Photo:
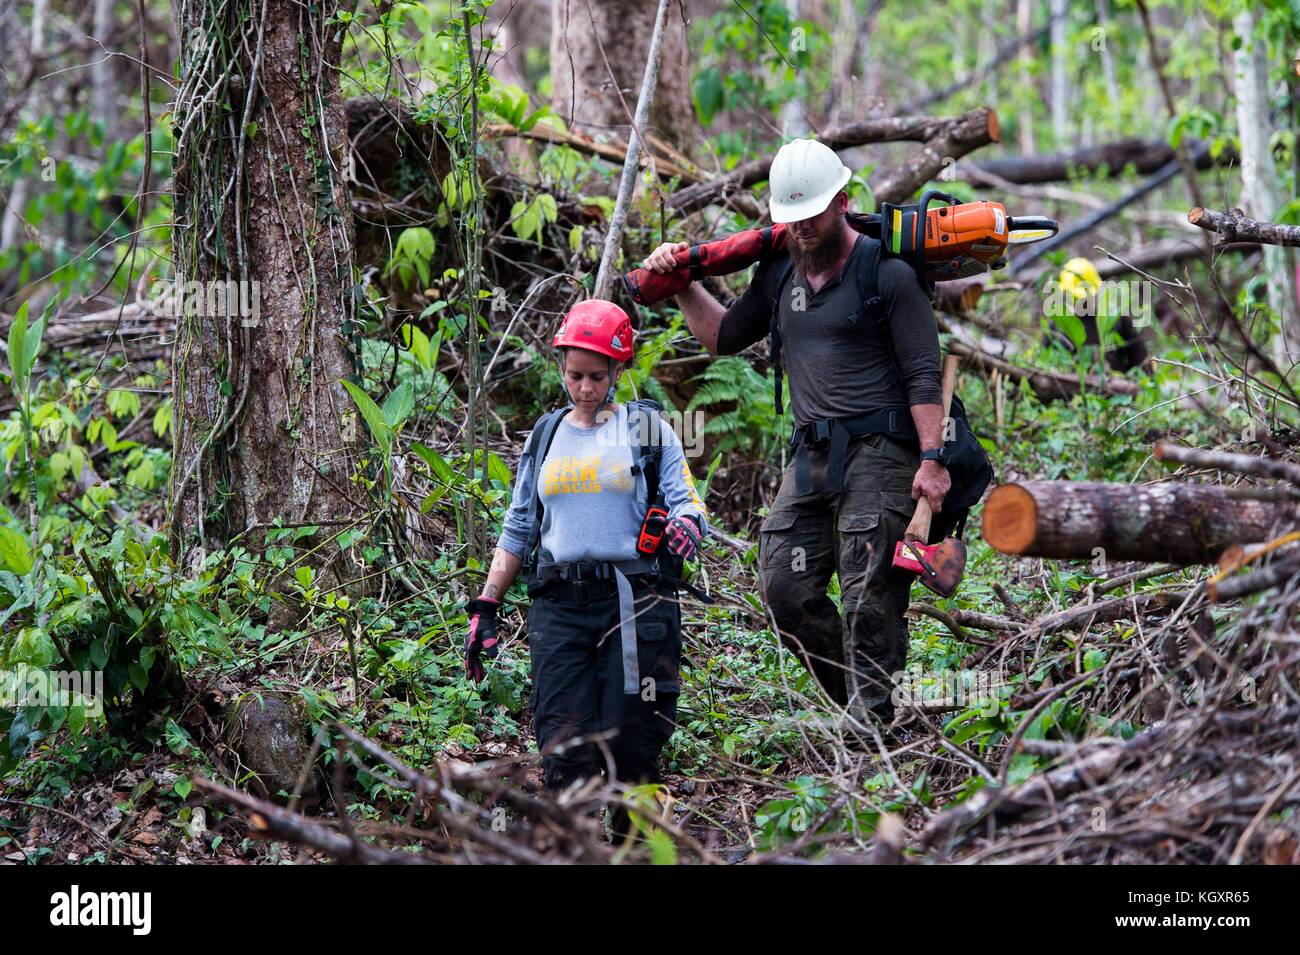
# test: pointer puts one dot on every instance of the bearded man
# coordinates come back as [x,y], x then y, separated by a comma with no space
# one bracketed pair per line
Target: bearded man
[856,334]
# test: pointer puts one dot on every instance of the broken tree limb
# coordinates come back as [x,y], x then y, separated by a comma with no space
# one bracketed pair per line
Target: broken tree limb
[1168,523]
[859,133]
[607,275]
[1143,258]
[1048,386]
[1112,159]
[614,152]
[1274,575]
[1234,225]
[968,132]
[1096,762]
[1232,463]
[269,821]
[1097,217]
[960,296]
[1129,606]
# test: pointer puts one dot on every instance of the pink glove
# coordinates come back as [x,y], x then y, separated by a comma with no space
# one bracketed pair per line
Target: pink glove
[682,537]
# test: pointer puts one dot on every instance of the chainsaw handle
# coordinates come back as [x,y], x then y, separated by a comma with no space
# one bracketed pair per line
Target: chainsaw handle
[918,528]
[922,211]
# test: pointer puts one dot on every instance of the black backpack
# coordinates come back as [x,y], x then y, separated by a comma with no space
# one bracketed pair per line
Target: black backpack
[968,465]
[645,460]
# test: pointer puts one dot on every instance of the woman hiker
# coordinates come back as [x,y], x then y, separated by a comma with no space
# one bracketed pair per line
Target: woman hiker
[603,513]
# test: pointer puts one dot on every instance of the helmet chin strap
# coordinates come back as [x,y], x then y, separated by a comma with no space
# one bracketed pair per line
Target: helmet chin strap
[613,386]
[609,395]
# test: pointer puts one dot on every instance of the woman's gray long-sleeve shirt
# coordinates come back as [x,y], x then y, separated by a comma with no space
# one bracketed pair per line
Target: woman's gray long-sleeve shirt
[592,503]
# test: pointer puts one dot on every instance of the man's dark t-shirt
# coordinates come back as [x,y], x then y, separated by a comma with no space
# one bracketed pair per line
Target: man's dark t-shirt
[838,368]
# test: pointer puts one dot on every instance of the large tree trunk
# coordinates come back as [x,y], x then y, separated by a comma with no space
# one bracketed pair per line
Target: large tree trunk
[260,197]
[1262,195]
[590,41]
[1170,523]
[1060,60]
[794,112]
[103,72]
[1024,18]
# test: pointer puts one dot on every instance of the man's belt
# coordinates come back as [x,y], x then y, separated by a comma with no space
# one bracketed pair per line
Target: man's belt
[832,436]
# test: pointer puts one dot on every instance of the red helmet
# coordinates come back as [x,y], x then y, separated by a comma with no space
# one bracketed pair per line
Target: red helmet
[599,326]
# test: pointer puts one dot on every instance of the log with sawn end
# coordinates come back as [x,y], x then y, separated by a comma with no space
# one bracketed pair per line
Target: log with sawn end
[1177,523]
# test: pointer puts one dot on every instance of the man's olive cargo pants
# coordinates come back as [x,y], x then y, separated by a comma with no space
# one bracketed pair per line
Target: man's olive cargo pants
[806,538]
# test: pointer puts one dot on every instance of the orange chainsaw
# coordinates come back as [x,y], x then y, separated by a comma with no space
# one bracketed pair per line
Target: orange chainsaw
[949,241]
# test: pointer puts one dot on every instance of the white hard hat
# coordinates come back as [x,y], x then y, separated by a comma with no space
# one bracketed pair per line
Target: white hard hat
[804,179]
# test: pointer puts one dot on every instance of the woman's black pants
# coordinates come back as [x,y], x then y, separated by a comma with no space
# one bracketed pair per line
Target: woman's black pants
[578,687]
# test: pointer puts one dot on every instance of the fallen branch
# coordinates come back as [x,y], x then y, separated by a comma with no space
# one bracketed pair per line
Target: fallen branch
[1274,575]
[1110,159]
[1129,607]
[269,821]
[1232,463]
[968,132]
[1048,386]
[614,152]
[1235,226]
[1097,217]
[860,133]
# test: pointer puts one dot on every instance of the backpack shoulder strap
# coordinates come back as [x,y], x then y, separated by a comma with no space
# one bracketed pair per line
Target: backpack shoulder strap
[649,449]
[539,442]
[774,333]
[868,277]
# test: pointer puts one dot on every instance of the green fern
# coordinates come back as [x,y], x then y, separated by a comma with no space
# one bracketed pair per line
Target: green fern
[752,423]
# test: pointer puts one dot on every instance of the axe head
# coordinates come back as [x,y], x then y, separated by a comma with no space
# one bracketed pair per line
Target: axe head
[940,565]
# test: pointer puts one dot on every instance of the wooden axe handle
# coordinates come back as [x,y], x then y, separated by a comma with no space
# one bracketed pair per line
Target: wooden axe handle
[919,528]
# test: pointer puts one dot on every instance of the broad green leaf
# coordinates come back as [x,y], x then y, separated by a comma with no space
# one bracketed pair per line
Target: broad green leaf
[18,348]
[14,552]
[123,403]
[418,344]
[497,469]
[441,469]
[398,405]
[662,850]
[374,417]
[32,345]
[162,418]
[139,678]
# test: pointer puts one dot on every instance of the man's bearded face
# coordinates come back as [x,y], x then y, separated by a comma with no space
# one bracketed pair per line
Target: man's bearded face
[817,242]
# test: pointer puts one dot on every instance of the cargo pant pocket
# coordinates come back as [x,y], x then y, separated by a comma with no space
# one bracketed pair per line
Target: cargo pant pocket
[659,654]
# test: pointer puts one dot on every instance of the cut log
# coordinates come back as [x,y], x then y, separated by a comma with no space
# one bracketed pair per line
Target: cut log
[960,296]
[1169,523]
